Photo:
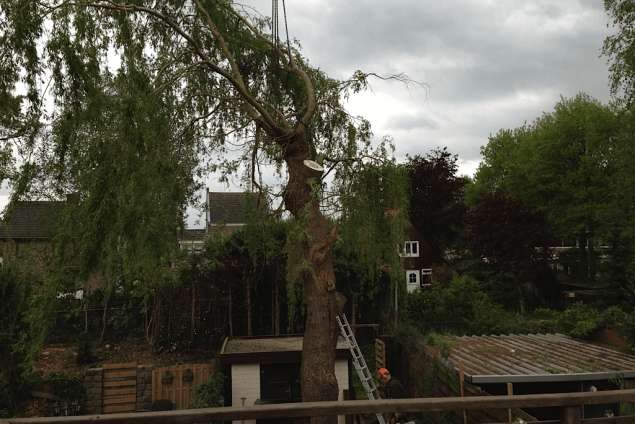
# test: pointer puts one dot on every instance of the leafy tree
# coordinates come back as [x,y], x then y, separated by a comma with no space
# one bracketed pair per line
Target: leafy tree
[372,227]
[512,239]
[19,338]
[565,165]
[620,47]
[215,76]
[436,198]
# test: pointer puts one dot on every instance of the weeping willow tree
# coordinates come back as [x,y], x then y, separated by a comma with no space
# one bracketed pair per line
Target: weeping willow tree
[373,225]
[86,83]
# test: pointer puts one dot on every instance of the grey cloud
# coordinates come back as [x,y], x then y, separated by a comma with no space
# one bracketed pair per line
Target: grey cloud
[473,54]
[406,121]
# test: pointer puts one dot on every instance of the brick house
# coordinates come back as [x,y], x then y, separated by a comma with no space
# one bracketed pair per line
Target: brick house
[416,260]
[27,231]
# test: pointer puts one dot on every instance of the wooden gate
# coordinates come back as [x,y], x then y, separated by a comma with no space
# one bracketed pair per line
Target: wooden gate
[177,383]
[119,388]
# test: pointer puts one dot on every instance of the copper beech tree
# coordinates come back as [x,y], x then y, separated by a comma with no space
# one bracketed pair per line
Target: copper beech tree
[218,85]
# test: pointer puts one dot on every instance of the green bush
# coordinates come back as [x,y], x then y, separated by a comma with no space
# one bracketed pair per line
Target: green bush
[460,307]
[211,393]
[463,307]
[580,321]
[67,388]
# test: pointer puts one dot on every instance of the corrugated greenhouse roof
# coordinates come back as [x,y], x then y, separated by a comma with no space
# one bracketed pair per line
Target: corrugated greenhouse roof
[536,358]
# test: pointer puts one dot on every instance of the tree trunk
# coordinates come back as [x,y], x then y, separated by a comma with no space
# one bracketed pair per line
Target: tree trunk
[322,301]
[275,309]
[104,318]
[230,312]
[248,301]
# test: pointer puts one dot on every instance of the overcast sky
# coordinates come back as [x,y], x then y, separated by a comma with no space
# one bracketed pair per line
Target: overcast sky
[488,64]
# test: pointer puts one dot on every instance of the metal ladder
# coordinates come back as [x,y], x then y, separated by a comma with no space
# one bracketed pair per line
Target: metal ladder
[359,362]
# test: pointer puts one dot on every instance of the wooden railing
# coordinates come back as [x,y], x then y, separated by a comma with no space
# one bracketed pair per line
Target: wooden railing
[570,403]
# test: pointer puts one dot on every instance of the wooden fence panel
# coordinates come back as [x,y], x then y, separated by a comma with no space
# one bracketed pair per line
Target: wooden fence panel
[119,388]
[178,383]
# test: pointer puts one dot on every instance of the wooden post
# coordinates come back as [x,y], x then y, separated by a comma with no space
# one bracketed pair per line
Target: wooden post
[230,313]
[571,415]
[510,392]
[462,388]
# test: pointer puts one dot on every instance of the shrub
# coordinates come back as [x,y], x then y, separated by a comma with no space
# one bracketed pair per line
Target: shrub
[580,321]
[460,307]
[211,393]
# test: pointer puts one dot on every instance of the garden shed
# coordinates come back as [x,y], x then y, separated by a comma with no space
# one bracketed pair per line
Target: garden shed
[267,369]
[537,363]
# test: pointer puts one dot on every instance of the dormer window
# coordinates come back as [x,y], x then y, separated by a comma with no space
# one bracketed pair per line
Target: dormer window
[411,249]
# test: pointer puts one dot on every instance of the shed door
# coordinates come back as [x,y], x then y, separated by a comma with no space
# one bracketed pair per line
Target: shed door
[280,383]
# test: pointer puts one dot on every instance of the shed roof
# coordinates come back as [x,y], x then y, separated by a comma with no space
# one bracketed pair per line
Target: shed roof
[230,208]
[525,358]
[31,220]
[268,349]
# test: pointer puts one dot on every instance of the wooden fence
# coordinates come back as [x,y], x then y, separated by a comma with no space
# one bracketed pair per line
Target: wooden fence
[177,383]
[119,392]
[570,404]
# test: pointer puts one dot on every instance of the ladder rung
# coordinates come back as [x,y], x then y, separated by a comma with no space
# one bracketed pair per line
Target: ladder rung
[359,362]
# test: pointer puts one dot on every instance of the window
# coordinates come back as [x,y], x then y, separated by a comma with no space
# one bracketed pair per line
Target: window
[426,277]
[412,280]
[411,249]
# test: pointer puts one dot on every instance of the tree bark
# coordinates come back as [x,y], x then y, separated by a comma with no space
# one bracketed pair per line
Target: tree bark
[104,318]
[248,301]
[275,309]
[322,301]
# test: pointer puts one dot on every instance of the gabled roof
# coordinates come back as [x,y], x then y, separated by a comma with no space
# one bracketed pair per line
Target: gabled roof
[525,358]
[30,220]
[230,208]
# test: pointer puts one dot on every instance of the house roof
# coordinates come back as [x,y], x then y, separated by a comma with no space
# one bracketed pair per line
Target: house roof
[31,220]
[268,349]
[230,208]
[525,358]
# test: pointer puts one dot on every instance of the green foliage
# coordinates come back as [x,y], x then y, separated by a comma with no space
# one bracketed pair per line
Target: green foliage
[570,166]
[68,388]
[580,321]
[619,47]
[436,199]
[372,228]
[463,307]
[211,393]
[561,164]
[460,307]
[14,363]
[509,241]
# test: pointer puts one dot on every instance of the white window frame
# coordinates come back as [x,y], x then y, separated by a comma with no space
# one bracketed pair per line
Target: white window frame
[426,271]
[408,249]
